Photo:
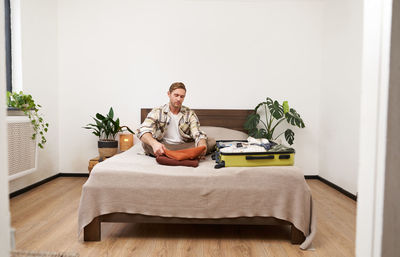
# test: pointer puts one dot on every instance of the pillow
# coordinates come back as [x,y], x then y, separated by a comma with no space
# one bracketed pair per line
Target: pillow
[164,160]
[185,154]
[220,133]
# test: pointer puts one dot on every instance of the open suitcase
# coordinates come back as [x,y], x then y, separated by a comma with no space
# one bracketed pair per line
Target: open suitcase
[236,154]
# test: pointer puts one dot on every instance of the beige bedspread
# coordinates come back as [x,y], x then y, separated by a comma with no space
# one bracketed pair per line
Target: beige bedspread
[134,183]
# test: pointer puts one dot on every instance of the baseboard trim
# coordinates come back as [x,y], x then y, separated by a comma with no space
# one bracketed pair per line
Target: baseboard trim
[26,189]
[338,188]
[74,175]
[311,176]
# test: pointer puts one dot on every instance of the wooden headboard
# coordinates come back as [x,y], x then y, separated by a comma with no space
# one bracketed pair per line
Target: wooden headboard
[227,118]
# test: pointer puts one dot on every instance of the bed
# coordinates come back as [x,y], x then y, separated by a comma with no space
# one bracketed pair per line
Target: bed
[132,187]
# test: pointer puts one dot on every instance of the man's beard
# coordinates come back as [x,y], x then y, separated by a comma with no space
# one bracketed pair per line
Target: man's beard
[177,105]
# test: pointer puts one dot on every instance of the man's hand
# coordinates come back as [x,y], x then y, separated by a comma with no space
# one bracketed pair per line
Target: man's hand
[202,142]
[158,148]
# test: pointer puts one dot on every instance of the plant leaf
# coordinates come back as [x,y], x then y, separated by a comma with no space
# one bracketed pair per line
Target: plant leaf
[259,105]
[98,122]
[258,133]
[262,133]
[253,132]
[289,136]
[100,117]
[294,118]
[285,106]
[252,122]
[129,130]
[275,108]
[111,113]
[116,127]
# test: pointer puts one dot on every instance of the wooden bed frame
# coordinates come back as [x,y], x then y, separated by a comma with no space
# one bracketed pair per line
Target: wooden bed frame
[233,119]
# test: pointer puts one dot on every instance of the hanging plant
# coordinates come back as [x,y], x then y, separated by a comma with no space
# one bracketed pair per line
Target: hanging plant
[26,104]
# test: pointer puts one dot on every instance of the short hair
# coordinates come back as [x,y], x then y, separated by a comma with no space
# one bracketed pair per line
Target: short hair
[177,85]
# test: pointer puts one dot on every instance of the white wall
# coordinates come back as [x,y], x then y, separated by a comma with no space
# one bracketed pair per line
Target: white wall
[230,54]
[4,202]
[39,65]
[81,57]
[340,93]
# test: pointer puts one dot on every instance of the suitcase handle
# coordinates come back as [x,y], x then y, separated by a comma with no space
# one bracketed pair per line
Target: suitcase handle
[284,156]
[267,157]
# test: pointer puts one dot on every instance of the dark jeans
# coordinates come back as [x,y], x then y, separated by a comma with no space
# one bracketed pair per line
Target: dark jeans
[210,146]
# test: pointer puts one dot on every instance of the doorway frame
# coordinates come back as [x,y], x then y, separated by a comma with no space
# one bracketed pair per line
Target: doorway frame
[377,20]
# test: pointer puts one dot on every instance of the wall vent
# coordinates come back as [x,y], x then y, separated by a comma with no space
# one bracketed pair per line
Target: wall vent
[22,150]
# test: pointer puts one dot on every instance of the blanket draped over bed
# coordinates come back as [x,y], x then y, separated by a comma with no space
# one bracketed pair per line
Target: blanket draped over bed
[134,183]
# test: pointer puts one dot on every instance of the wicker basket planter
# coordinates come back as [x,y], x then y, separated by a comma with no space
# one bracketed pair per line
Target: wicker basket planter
[107,148]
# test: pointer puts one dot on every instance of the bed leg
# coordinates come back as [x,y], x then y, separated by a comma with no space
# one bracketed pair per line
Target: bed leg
[296,236]
[92,232]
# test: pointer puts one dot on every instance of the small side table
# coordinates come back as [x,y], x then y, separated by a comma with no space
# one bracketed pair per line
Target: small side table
[93,162]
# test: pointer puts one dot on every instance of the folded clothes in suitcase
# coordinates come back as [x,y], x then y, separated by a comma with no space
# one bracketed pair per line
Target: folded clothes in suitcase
[240,153]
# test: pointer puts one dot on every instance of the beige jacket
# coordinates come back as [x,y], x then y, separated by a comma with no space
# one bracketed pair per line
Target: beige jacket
[157,120]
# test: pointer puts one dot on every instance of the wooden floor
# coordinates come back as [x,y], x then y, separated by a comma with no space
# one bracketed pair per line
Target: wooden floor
[45,219]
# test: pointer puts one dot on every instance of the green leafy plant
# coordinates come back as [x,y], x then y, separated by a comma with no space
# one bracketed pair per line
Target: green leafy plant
[105,127]
[275,114]
[26,104]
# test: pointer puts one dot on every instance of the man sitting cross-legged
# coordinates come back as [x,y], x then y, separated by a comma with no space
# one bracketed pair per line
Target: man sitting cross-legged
[173,126]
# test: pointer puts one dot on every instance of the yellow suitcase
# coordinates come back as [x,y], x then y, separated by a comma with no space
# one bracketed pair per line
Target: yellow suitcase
[274,155]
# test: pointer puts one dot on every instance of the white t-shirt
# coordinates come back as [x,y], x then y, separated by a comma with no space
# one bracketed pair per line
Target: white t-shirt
[172,135]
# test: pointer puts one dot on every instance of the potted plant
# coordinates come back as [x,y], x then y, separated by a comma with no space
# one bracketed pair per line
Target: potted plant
[275,114]
[20,103]
[106,128]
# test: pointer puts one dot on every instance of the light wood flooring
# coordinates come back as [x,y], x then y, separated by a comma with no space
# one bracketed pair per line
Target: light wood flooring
[45,219]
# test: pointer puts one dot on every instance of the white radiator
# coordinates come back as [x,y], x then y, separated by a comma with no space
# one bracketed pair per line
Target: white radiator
[22,150]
